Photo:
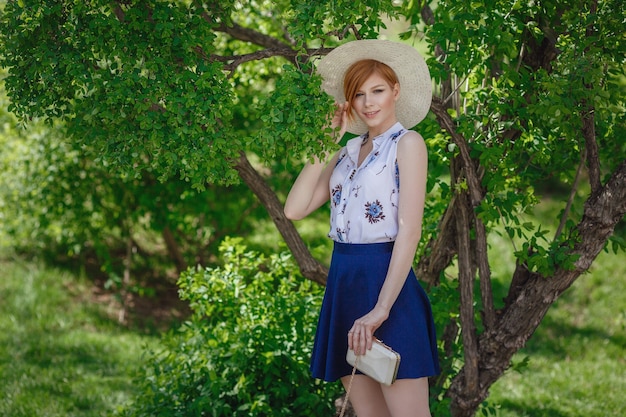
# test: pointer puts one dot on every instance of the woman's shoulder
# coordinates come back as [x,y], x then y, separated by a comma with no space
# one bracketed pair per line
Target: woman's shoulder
[410,143]
[411,135]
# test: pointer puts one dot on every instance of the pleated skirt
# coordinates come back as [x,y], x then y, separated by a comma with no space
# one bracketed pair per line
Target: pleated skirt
[356,275]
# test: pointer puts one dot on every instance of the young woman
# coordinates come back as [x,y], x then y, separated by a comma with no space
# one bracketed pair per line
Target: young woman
[376,185]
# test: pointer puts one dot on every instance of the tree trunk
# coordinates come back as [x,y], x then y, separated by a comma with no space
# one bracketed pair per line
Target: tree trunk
[466,289]
[441,250]
[534,295]
[173,249]
[309,266]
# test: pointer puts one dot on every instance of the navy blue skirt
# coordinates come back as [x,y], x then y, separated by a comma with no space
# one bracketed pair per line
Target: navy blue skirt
[356,275]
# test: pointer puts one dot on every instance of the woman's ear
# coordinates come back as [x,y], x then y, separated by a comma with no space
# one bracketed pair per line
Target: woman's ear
[396,91]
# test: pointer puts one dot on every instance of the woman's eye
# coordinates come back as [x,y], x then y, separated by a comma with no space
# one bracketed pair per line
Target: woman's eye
[378,90]
[358,95]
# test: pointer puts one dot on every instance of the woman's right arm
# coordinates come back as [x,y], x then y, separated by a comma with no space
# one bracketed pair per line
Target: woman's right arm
[310,190]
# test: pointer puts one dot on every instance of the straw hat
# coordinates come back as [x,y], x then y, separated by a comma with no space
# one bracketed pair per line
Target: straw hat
[413,76]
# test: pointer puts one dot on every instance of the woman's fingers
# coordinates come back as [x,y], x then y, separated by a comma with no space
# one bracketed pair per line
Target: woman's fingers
[340,119]
[360,338]
[361,334]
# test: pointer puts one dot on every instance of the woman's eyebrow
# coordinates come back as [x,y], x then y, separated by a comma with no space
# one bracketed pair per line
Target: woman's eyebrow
[373,87]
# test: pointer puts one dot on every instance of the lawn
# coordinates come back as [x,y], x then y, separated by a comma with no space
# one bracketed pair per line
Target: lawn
[577,356]
[62,354]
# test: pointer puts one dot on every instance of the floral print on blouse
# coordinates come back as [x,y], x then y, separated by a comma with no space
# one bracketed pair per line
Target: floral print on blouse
[364,200]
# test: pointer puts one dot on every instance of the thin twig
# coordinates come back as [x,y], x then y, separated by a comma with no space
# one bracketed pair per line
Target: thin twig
[572,194]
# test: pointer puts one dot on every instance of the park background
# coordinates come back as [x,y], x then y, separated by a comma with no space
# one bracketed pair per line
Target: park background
[142,274]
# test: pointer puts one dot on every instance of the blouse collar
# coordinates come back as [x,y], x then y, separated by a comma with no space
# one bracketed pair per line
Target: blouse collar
[354,145]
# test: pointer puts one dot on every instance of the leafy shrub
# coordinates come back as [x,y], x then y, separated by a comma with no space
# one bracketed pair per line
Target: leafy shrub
[245,351]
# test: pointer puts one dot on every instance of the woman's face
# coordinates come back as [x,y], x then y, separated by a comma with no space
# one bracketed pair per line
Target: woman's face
[375,104]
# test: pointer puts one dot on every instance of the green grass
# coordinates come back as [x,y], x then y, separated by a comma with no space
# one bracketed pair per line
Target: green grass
[60,354]
[577,356]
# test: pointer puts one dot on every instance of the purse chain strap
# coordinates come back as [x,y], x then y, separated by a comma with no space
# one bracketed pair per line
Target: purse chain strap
[345,401]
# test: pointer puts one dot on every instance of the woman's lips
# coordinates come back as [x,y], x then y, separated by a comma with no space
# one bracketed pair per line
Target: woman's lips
[370,114]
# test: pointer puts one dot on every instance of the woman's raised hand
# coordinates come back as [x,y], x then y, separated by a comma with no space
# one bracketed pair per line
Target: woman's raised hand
[340,120]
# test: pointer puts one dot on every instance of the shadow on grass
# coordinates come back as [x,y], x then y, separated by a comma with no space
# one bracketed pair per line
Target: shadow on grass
[574,354]
[559,339]
[524,410]
[60,353]
[62,371]
[80,351]
[555,335]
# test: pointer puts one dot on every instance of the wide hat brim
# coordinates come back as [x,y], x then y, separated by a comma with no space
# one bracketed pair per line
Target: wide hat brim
[410,67]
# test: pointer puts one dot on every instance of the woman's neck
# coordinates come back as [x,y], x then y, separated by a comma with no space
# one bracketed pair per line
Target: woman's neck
[379,130]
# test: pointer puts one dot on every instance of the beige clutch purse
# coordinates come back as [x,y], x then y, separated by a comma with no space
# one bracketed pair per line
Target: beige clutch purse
[380,363]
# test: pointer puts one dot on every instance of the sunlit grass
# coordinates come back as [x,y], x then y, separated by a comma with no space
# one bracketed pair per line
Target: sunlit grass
[60,355]
[577,356]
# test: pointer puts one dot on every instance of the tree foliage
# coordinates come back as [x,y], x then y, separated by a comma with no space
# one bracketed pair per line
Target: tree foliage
[530,101]
[245,349]
[58,200]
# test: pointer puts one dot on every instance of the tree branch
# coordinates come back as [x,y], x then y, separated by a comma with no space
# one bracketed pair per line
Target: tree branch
[441,250]
[173,249]
[119,13]
[537,293]
[235,60]
[446,122]
[588,121]
[572,195]
[249,35]
[593,161]
[309,266]
[466,289]
[484,273]
[273,46]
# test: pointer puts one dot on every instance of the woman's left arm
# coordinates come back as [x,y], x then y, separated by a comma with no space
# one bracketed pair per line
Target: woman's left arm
[413,166]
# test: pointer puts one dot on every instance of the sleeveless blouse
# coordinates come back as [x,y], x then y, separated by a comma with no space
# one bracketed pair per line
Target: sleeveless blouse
[364,199]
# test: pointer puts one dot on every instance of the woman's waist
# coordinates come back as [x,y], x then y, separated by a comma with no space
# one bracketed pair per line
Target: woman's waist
[363,248]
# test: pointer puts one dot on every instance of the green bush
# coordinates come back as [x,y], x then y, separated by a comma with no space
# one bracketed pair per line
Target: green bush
[245,351]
